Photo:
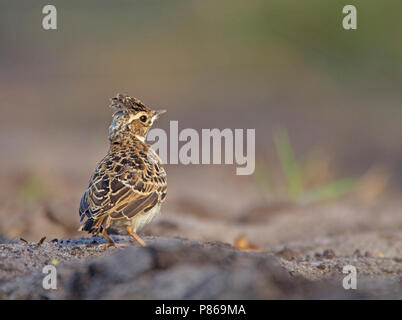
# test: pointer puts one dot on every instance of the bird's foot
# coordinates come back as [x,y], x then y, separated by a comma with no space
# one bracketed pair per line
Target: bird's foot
[114,244]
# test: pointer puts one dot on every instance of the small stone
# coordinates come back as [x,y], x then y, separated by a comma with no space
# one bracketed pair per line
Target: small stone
[287,254]
[329,254]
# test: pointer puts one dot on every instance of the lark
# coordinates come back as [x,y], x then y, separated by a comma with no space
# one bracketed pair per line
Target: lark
[128,186]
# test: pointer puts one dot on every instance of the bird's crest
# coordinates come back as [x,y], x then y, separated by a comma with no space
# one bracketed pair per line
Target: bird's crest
[125,103]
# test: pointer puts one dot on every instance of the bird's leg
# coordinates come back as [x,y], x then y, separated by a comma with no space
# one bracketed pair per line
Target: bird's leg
[110,242]
[135,236]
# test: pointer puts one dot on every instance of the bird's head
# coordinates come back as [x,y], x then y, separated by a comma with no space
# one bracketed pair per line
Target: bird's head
[131,118]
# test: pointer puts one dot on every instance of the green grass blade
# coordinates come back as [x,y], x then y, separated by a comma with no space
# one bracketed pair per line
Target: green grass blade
[331,190]
[289,164]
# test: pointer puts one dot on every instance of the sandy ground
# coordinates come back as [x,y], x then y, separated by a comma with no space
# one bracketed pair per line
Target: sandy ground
[302,252]
[302,249]
[175,268]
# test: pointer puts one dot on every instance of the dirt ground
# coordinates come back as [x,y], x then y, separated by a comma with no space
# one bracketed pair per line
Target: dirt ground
[175,268]
[301,252]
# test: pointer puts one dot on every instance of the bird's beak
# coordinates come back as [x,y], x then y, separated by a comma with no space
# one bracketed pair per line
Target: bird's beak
[158,113]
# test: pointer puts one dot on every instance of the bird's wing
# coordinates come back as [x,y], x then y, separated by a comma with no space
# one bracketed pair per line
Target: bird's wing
[123,189]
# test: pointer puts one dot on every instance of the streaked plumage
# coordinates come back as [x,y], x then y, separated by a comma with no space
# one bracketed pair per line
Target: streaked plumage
[129,184]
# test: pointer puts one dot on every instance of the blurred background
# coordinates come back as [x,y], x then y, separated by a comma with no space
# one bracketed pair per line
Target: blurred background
[325,103]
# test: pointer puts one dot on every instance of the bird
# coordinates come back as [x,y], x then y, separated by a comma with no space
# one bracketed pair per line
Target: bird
[129,185]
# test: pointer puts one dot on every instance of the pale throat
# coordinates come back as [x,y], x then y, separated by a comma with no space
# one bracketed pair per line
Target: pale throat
[142,139]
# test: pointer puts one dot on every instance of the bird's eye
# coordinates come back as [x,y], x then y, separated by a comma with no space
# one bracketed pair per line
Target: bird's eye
[143,118]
